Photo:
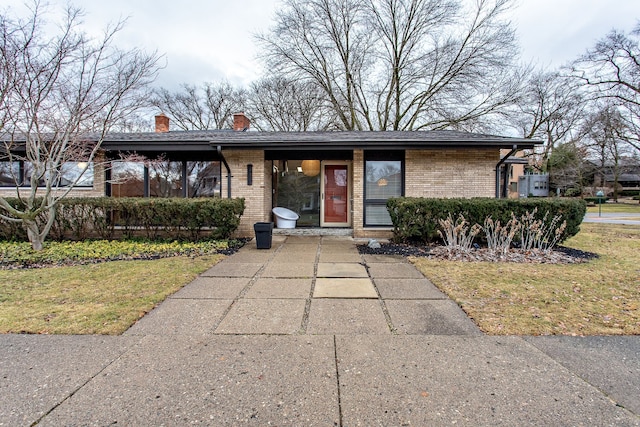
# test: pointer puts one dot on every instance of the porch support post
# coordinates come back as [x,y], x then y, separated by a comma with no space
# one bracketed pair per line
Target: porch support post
[145,191]
[185,187]
[502,160]
[226,165]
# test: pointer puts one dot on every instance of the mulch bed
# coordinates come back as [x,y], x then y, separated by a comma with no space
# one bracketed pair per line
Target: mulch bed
[560,254]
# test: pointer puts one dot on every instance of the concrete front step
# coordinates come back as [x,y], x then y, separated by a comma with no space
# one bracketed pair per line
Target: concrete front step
[346,232]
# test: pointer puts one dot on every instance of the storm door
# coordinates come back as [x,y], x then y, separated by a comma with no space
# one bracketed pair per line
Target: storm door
[335,194]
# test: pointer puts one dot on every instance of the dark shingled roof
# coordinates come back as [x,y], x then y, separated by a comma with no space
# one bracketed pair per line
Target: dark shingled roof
[339,140]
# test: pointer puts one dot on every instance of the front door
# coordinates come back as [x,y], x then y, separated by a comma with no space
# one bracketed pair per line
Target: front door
[335,194]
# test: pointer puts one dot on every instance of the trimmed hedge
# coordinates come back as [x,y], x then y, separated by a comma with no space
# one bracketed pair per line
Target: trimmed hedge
[152,218]
[416,219]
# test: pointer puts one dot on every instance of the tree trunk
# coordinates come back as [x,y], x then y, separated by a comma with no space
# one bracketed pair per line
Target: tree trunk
[35,237]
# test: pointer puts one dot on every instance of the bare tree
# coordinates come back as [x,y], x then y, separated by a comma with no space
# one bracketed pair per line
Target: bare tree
[200,108]
[278,104]
[568,167]
[550,109]
[611,69]
[399,64]
[60,95]
[604,138]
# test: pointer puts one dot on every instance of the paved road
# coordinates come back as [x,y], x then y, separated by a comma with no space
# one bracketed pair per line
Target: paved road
[613,218]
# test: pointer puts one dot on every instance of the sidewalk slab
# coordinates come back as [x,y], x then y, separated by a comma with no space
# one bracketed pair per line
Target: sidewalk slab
[344,288]
[269,288]
[428,317]
[288,269]
[408,289]
[346,317]
[394,270]
[610,363]
[303,240]
[257,316]
[250,256]
[329,257]
[468,381]
[296,257]
[213,288]
[181,317]
[338,247]
[231,269]
[221,381]
[341,269]
[377,259]
[38,372]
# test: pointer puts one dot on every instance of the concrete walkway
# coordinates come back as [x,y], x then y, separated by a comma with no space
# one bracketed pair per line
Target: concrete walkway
[312,333]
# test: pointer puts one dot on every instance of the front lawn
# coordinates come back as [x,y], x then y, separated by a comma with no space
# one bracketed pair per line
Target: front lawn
[78,292]
[595,298]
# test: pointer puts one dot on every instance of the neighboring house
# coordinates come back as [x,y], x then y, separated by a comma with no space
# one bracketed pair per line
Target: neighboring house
[331,179]
[513,168]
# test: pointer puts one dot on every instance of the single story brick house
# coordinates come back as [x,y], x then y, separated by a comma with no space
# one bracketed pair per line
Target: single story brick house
[330,179]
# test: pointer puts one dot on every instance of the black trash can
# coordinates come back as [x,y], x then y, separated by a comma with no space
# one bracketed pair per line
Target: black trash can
[264,234]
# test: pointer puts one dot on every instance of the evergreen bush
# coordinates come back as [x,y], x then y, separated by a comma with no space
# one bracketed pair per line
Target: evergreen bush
[418,219]
[152,218]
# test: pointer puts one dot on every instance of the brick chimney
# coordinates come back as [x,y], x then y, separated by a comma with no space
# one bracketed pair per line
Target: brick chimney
[240,122]
[162,123]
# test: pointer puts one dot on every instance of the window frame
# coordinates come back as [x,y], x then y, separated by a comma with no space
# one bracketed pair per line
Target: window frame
[389,156]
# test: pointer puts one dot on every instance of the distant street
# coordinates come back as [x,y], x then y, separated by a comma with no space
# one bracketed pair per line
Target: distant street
[613,218]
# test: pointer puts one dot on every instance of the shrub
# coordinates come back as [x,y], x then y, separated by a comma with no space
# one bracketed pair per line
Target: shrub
[540,233]
[499,237]
[572,192]
[417,219]
[456,234]
[106,218]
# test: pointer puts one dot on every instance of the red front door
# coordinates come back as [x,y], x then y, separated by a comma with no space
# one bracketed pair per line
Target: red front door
[335,195]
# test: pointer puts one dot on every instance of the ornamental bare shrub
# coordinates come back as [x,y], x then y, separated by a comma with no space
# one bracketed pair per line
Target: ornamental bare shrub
[539,233]
[499,237]
[457,235]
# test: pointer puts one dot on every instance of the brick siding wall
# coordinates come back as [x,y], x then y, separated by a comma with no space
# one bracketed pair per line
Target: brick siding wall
[451,173]
[257,197]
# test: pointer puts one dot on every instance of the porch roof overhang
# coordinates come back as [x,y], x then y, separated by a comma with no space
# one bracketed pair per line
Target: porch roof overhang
[192,143]
[371,140]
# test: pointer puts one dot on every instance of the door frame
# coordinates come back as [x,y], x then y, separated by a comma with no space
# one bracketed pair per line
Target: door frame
[348,164]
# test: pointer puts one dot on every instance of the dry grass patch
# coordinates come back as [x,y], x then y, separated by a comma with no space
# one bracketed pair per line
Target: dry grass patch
[595,298]
[105,298]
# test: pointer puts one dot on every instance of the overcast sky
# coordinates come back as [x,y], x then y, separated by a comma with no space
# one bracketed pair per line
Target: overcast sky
[211,40]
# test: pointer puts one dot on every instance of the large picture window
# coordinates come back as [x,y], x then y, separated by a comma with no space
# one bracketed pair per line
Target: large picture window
[384,172]
[165,179]
[76,174]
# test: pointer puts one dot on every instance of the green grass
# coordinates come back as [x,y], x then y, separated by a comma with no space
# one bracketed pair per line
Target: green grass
[626,207]
[70,288]
[105,298]
[595,298]
[20,254]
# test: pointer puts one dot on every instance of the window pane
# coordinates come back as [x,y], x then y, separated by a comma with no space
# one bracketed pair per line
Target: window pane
[67,175]
[377,215]
[384,179]
[165,179]
[297,191]
[127,179]
[71,171]
[203,179]
[9,174]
